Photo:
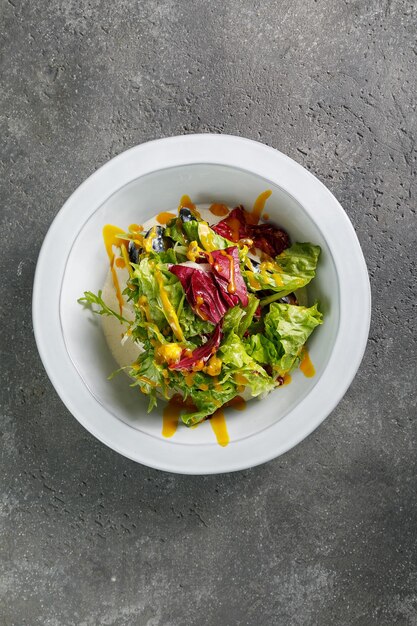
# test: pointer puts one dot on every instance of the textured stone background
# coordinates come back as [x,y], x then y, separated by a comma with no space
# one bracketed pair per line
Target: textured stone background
[323,535]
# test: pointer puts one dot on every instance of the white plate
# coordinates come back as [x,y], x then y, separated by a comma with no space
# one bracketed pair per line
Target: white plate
[131,188]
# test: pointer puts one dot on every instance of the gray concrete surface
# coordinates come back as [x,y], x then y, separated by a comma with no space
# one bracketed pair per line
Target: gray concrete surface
[323,535]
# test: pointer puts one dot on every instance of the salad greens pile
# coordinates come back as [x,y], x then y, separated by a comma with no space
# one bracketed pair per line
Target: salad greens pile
[215,309]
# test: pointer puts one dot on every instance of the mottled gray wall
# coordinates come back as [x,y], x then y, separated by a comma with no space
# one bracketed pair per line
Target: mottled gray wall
[323,535]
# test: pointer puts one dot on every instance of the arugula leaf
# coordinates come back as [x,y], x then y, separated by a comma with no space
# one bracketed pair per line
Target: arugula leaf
[91,298]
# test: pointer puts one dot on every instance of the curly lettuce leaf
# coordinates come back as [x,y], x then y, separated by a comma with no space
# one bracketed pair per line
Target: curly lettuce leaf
[148,375]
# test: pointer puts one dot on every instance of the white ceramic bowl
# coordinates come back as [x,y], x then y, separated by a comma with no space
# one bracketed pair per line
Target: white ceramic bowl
[131,188]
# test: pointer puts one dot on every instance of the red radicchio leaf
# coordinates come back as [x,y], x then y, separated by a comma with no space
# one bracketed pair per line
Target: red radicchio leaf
[265,237]
[269,239]
[201,292]
[234,226]
[228,277]
[203,353]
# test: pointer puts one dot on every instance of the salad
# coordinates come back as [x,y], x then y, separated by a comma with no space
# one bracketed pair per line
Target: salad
[213,303]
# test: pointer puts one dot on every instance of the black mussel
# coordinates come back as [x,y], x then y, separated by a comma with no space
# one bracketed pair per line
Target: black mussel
[156,232]
[186,215]
[133,251]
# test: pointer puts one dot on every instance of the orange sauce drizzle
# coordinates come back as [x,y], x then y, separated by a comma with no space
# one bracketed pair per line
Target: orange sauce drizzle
[231,287]
[219,209]
[120,262]
[287,379]
[172,412]
[164,217]
[306,365]
[199,301]
[234,226]
[110,233]
[240,379]
[187,203]
[171,415]
[135,228]
[266,216]
[258,207]
[189,379]
[238,403]
[218,424]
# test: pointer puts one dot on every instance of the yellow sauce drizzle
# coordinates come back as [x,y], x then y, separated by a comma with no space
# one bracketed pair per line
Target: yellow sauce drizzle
[125,256]
[206,237]
[253,282]
[306,365]
[168,353]
[169,310]
[218,424]
[213,367]
[258,207]
[144,306]
[219,209]
[164,217]
[110,233]
[278,279]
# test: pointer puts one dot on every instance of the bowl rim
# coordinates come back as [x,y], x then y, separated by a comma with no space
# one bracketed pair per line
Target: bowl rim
[329,216]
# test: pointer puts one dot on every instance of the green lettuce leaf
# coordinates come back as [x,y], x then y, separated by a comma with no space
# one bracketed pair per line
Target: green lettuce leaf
[287,328]
[205,236]
[206,401]
[236,360]
[294,268]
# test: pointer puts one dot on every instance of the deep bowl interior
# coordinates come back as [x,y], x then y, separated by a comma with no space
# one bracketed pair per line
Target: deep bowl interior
[87,266]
